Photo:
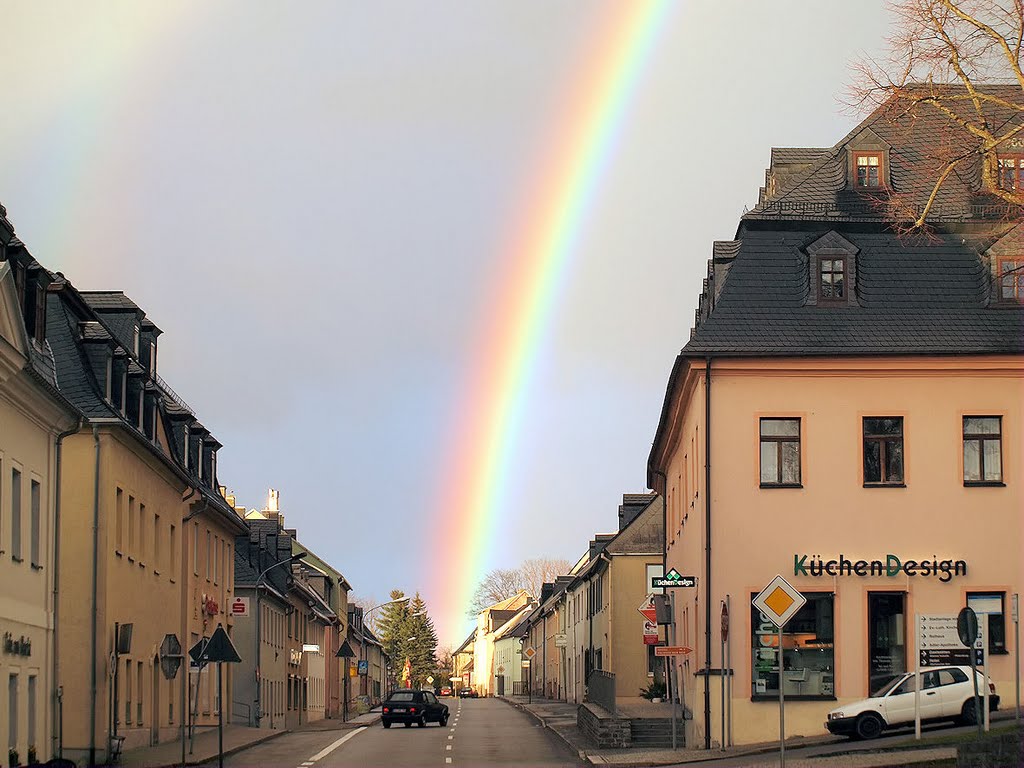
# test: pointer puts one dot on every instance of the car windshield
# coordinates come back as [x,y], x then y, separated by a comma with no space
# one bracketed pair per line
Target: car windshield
[403,696]
[889,684]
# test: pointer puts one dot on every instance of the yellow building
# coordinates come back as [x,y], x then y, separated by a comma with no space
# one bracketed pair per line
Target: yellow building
[32,418]
[145,536]
[847,413]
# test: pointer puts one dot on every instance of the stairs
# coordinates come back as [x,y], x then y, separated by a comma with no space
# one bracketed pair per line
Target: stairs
[655,733]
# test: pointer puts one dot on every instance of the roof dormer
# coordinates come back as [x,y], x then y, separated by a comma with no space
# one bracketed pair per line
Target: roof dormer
[832,271]
[1006,269]
[867,163]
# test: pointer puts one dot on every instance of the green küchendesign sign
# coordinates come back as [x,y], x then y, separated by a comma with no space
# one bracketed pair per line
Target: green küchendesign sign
[891,566]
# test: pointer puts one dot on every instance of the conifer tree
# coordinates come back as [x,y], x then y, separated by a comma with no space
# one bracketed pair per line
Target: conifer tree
[422,651]
[393,628]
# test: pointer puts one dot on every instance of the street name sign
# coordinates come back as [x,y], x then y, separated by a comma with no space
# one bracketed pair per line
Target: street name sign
[779,601]
[672,650]
[939,641]
[673,579]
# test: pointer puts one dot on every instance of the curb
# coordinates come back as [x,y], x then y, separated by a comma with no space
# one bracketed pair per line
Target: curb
[580,753]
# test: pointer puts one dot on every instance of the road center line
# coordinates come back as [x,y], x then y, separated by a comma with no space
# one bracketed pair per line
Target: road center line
[327,750]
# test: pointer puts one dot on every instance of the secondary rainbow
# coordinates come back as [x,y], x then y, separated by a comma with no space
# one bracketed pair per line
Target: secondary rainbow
[536,267]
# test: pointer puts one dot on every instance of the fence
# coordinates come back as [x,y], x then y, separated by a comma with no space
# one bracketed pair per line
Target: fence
[601,689]
[519,688]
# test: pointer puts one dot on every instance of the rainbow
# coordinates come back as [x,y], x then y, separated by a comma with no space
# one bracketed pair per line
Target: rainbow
[537,264]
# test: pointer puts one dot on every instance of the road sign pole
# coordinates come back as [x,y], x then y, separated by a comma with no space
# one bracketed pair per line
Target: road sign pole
[984,661]
[728,666]
[1016,649]
[917,679]
[725,618]
[782,709]
[220,714]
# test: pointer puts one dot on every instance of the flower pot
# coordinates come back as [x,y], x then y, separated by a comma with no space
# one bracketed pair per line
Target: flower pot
[656,700]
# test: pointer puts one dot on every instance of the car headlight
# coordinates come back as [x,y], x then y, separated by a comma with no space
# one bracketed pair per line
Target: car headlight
[836,715]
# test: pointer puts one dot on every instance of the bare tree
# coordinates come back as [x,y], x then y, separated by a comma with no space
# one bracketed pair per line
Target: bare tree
[955,63]
[503,583]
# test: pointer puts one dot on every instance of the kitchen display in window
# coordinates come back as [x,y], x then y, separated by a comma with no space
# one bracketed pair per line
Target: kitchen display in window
[808,651]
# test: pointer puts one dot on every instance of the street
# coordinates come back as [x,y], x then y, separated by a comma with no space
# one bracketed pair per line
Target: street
[480,732]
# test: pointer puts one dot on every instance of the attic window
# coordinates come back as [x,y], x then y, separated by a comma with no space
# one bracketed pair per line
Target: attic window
[135,341]
[831,278]
[1011,280]
[868,167]
[1011,171]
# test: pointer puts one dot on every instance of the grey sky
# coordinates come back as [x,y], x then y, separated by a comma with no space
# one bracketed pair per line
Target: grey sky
[309,198]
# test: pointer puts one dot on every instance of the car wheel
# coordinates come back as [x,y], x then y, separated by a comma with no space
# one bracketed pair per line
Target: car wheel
[422,722]
[869,726]
[444,720]
[968,714]
[386,723]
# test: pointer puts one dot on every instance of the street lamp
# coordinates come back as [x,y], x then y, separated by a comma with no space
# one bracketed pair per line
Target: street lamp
[259,638]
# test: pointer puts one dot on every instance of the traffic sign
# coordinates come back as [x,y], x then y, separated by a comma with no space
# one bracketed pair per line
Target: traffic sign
[725,622]
[219,648]
[673,579]
[672,650]
[650,632]
[967,626]
[170,656]
[530,652]
[647,609]
[779,601]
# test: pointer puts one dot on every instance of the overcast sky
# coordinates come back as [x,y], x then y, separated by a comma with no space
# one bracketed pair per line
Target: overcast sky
[310,200]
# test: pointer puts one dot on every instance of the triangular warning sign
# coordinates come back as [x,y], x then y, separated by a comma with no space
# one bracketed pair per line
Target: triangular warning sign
[219,648]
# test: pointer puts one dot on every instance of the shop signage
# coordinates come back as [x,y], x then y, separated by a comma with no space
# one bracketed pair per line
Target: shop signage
[21,646]
[892,565]
[673,579]
[240,607]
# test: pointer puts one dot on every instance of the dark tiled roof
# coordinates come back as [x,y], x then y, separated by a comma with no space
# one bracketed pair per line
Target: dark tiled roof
[109,300]
[74,375]
[918,142]
[787,155]
[926,298]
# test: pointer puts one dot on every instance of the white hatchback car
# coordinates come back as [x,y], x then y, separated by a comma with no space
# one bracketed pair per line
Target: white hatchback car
[946,694]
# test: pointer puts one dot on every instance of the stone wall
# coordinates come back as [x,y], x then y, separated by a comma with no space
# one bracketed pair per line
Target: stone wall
[603,730]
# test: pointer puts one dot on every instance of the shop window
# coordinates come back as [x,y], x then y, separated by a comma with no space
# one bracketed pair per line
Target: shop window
[780,452]
[993,605]
[1011,279]
[808,652]
[869,169]
[1011,172]
[983,450]
[883,451]
[887,649]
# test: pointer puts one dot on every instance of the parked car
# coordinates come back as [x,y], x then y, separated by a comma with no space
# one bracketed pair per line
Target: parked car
[468,693]
[408,707]
[446,691]
[947,693]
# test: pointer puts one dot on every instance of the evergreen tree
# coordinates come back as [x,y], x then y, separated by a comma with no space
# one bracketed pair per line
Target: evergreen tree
[393,628]
[422,651]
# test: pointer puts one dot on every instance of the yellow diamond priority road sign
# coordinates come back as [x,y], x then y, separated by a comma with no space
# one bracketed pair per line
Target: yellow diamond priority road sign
[779,601]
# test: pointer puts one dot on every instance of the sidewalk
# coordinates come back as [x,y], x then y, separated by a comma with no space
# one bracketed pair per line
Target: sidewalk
[560,718]
[236,738]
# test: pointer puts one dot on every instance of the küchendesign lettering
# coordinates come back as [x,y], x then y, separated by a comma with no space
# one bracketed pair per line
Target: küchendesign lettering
[815,565]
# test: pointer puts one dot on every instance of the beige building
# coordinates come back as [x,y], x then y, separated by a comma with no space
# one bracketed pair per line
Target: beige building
[32,417]
[847,413]
[489,621]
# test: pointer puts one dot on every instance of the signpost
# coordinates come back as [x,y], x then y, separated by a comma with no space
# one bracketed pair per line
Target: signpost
[672,650]
[673,579]
[780,601]
[650,613]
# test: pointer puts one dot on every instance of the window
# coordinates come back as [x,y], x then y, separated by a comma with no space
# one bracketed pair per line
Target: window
[869,169]
[128,691]
[142,531]
[152,358]
[831,279]
[1011,279]
[16,515]
[209,554]
[156,542]
[119,532]
[991,604]
[34,522]
[983,449]
[780,452]
[135,341]
[1011,172]
[195,548]
[32,710]
[40,318]
[12,711]
[173,546]
[138,704]
[883,451]
[808,651]
[131,526]
[185,455]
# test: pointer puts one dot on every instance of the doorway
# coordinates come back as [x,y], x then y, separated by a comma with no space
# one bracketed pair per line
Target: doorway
[887,632]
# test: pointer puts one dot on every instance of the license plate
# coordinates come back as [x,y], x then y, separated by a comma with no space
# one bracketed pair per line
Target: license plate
[399,709]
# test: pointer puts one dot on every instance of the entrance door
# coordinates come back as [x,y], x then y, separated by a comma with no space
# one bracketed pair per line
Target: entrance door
[887,650]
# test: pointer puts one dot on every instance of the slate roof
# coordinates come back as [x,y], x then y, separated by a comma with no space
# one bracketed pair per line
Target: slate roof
[918,141]
[932,297]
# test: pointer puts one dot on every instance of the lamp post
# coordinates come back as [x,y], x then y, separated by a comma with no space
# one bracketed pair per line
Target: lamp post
[259,638]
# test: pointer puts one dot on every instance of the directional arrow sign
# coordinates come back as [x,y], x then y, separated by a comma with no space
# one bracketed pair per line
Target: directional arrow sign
[647,609]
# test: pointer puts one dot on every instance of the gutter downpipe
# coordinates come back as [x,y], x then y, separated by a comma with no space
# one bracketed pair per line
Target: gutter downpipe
[707,553]
[95,591]
[59,442]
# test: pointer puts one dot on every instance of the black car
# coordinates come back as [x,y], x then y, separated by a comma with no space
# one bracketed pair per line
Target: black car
[468,693]
[408,706]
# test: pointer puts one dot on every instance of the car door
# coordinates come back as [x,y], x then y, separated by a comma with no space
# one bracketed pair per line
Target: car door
[954,688]
[899,703]
[433,706]
[931,695]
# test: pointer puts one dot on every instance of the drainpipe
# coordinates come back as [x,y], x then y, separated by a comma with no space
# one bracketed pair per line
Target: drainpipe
[95,592]
[58,444]
[707,552]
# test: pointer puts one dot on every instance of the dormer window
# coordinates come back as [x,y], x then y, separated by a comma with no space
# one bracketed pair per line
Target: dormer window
[1011,279]
[135,341]
[40,312]
[868,167]
[831,279]
[152,358]
[108,384]
[185,454]
[1011,172]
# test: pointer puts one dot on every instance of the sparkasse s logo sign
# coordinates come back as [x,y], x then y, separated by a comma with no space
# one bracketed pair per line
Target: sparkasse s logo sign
[814,565]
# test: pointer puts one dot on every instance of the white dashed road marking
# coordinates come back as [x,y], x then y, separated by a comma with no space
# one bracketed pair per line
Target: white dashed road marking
[330,748]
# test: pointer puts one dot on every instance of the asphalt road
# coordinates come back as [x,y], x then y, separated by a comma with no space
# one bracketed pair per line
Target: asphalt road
[481,732]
